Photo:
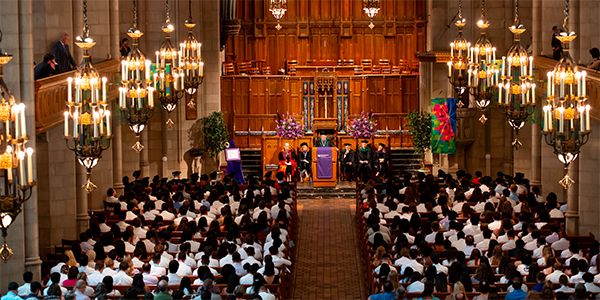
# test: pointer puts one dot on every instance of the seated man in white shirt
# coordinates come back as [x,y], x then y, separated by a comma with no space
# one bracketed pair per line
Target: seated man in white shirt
[121,278]
[413,263]
[251,259]
[174,279]
[435,259]
[148,278]
[582,266]
[122,224]
[111,199]
[385,260]
[562,244]
[510,244]
[84,244]
[184,270]
[533,243]
[556,273]
[553,237]
[484,244]
[473,228]
[150,211]
[96,277]
[435,227]
[393,211]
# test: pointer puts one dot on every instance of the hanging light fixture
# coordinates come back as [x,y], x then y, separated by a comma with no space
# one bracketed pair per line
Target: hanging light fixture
[278,9]
[88,110]
[168,75]
[483,71]
[192,59]
[567,112]
[18,183]
[136,95]
[371,8]
[459,53]
[516,93]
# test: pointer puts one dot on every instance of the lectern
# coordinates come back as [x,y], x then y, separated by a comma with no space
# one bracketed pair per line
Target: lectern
[324,166]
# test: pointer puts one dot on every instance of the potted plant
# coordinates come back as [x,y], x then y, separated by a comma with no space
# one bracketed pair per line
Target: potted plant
[216,135]
[419,126]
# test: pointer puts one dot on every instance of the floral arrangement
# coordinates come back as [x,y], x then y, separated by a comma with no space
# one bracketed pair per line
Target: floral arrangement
[363,126]
[289,126]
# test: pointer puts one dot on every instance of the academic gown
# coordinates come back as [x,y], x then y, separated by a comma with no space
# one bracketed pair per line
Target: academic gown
[287,156]
[304,166]
[365,155]
[347,161]
[381,166]
[326,143]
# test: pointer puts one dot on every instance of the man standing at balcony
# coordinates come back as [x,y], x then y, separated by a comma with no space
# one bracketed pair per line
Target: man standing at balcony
[61,50]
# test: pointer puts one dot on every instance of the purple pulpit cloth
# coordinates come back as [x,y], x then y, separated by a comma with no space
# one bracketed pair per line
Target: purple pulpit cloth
[324,169]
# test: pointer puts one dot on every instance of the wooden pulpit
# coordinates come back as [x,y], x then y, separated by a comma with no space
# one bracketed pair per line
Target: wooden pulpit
[325,182]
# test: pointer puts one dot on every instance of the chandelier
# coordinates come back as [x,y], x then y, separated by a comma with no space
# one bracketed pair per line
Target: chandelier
[516,90]
[567,111]
[459,53]
[168,77]
[192,59]
[278,9]
[136,96]
[483,70]
[17,183]
[87,119]
[371,8]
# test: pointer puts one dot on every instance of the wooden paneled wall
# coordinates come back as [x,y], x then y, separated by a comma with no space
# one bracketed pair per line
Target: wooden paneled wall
[322,30]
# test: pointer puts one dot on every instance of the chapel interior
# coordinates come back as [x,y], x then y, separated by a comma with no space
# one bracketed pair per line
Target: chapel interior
[323,61]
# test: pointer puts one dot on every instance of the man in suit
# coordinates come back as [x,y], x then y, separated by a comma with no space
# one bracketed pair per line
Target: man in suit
[45,68]
[62,53]
[347,162]
[303,161]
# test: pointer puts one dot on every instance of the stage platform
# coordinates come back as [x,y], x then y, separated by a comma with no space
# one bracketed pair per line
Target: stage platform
[343,189]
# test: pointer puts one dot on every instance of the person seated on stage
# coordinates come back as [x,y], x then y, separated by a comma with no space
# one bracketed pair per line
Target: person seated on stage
[347,162]
[324,141]
[381,160]
[365,157]
[287,162]
[304,162]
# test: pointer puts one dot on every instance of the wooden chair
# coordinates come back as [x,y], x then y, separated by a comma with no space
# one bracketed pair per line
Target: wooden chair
[266,70]
[367,65]
[358,70]
[229,69]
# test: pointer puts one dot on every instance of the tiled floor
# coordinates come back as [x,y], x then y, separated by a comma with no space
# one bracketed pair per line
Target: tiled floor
[328,255]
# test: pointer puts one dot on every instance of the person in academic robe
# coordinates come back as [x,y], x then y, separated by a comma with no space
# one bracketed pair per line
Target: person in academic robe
[304,162]
[175,180]
[324,141]
[365,158]
[381,160]
[268,180]
[347,162]
[287,162]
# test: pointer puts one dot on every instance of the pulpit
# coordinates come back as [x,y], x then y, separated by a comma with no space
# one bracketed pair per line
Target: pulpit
[324,166]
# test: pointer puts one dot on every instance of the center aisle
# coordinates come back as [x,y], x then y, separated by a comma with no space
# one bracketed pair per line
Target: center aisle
[328,259]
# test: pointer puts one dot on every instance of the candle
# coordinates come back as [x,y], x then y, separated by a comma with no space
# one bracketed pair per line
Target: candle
[77,89]
[549,84]
[587,117]
[92,91]
[69,91]
[157,62]
[9,174]
[578,78]
[451,49]
[95,121]
[509,65]
[583,74]
[533,94]
[503,64]
[469,81]
[104,89]
[449,69]
[23,121]
[581,119]
[550,117]
[561,121]
[29,164]
[66,124]
[201,69]
[531,66]
[101,121]
[21,156]
[137,70]
[199,48]
[494,54]
[562,85]
[75,127]
[150,97]
[8,135]
[108,129]
[139,96]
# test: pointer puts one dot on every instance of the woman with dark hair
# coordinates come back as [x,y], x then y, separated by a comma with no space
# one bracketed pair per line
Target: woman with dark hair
[595,54]
[138,285]
[158,222]
[441,283]
[202,225]
[269,273]
[484,290]
[54,292]
[232,282]
[226,271]
[454,272]
[185,286]
[252,269]
[141,248]
[99,249]
[108,283]
[71,277]
[439,242]
[120,248]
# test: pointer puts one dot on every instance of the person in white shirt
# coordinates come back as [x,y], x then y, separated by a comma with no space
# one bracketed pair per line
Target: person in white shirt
[539,251]
[262,206]
[564,285]
[393,211]
[122,224]
[121,278]
[416,286]
[435,227]
[155,268]
[183,270]
[102,224]
[278,261]
[138,231]
[556,213]
[510,244]
[251,259]
[553,237]
[80,288]
[84,244]
[25,289]
[96,277]
[484,244]
[150,211]
[435,259]
[469,246]
[582,266]
[148,278]
[556,273]
[281,206]
[473,228]
[174,279]
[460,244]
[205,261]
[588,278]
[385,260]
[83,264]
[165,213]
[413,264]
[562,244]
[111,199]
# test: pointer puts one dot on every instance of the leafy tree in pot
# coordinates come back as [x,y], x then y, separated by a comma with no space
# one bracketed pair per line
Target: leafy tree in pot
[216,135]
[420,128]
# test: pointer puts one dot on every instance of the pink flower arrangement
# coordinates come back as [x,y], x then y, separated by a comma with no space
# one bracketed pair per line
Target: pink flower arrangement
[363,126]
[290,127]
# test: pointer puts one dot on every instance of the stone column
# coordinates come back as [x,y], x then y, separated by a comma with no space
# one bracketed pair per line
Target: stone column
[572,215]
[536,27]
[82,218]
[164,148]
[144,164]
[536,156]
[77,52]
[30,211]
[117,150]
